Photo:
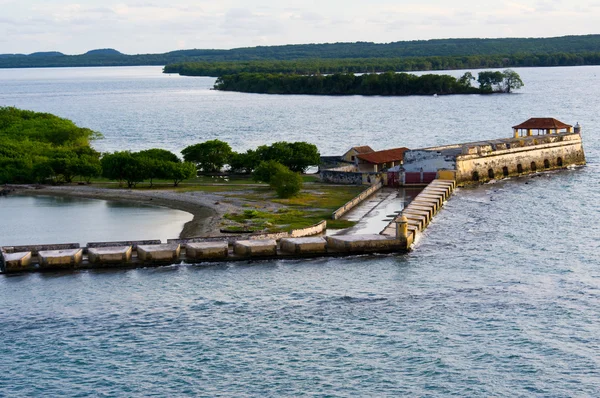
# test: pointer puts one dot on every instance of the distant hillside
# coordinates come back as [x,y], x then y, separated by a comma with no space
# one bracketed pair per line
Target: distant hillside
[104,51]
[419,48]
[47,54]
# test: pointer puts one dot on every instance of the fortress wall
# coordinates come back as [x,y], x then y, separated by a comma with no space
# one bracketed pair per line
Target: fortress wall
[428,160]
[532,156]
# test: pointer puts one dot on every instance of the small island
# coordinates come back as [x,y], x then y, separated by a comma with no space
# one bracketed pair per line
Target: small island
[386,84]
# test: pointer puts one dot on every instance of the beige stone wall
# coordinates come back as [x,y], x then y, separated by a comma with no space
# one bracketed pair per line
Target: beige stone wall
[357,200]
[547,152]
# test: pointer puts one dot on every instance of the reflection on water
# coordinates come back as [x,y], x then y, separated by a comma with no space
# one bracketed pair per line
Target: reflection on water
[47,219]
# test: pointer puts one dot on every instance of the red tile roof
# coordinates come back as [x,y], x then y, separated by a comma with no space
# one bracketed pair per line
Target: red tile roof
[363,149]
[542,123]
[388,155]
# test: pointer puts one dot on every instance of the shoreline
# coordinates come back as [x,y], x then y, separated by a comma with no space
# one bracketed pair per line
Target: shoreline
[206,208]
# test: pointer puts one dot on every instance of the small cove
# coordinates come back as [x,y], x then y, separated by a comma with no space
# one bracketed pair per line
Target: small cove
[50,219]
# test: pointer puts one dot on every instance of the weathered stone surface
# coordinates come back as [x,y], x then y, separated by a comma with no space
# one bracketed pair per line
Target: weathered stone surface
[445,193]
[133,243]
[423,213]
[35,249]
[438,198]
[109,255]
[67,258]
[303,245]
[426,202]
[416,217]
[17,261]
[365,243]
[255,248]
[206,250]
[424,207]
[159,253]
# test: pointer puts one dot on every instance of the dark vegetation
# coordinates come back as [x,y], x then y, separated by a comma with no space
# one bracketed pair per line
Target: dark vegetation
[388,83]
[512,52]
[39,147]
[376,65]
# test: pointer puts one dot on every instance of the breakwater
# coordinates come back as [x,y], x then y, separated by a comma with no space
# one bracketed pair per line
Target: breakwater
[417,215]
[397,237]
[39,258]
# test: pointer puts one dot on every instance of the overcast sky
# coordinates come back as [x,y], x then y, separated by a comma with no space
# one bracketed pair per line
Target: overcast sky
[150,26]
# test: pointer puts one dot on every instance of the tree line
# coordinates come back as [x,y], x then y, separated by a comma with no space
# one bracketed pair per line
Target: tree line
[278,164]
[43,148]
[377,65]
[388,83]
[506,47]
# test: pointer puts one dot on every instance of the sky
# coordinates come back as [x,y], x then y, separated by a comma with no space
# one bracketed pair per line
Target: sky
[146,26]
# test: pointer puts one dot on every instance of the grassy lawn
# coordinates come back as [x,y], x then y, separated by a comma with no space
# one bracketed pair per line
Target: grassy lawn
[264,211]
[312,205]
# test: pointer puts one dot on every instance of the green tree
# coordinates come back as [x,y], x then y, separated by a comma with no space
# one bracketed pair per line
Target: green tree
[489,80]
[244,162]
[265,171]
[123,166]
[159,154]
[87,167]
[209,156]
[178,172]
[512,80]
[466,79]
[286,183]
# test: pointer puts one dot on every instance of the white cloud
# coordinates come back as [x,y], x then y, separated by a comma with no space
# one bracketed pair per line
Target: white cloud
[157,26]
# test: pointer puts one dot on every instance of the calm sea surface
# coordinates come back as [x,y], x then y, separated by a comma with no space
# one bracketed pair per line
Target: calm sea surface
[501,296]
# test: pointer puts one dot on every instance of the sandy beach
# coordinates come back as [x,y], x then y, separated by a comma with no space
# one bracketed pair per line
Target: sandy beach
[207,208]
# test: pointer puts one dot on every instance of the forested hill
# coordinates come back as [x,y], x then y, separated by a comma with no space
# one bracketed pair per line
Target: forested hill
[419,48]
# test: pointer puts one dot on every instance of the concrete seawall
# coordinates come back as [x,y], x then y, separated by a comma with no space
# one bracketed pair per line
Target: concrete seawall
[421,210]
[357,200]
[141,254]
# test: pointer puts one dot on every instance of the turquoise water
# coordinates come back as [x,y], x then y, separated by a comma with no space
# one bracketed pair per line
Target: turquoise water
[500,297]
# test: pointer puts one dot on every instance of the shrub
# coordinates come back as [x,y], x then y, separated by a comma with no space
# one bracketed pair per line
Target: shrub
[266,170]
[286,183]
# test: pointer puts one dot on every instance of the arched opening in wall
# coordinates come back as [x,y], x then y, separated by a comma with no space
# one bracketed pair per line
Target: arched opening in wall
[533,166]
[505,171]
[475,176]
[559,162]
[546,164]
[491,173]
[519,168]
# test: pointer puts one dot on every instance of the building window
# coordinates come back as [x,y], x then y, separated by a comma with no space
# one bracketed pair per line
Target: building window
[519,168]
[546,164]
[559,162]
[475,176]
[505,171]
[533,166]
[491,173]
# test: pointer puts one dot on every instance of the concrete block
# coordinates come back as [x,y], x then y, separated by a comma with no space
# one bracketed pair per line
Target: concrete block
[206,250]
[66,258]
[427,202]
[438,198]
[14,262]
[303,245]
[159,253]
[109,255]
[365,243]
[445,193]
[423,213]
[255,248]
[417,217]
[428,209]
